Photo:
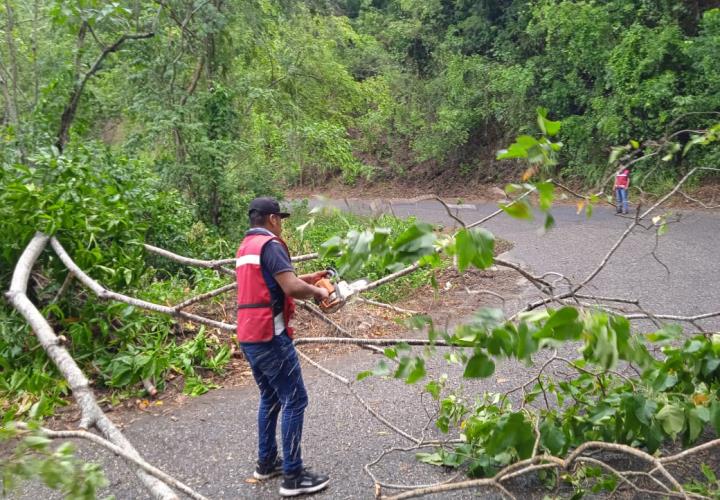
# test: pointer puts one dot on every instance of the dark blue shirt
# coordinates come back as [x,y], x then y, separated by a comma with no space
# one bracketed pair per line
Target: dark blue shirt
[273,260]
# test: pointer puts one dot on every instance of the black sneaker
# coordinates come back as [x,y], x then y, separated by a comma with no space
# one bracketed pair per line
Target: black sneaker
[304,482]
[266,471]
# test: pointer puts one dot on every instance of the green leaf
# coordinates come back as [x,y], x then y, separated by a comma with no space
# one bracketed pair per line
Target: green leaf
[552,437]
[645,410]
[430,458]
[601,414]
[433,388]
[697,418]
[37,442]
[548,127]
[479,366]
[549,222]
[512,431]
[546,194]
[474,246]
[708,473]
[715,415]
[381,370]
[418,371]
[518,210]
[672,419]
[563,324]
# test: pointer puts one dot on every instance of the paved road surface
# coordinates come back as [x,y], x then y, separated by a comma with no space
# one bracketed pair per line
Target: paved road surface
[210,442]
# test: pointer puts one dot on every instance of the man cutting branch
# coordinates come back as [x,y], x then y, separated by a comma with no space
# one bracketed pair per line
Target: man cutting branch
[267,284]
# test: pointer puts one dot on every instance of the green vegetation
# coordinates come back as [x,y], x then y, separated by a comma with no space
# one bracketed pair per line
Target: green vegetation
[57,468]
[123,123]
[318,231]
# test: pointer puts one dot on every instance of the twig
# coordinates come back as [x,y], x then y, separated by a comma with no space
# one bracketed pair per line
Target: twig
[387,306]
[498,212]
[205,296]
[367,407]
[63,287]
[695,200]
[390,277]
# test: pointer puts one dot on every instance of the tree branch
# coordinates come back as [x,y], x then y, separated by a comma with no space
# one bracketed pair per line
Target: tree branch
[68,115]
[79,384]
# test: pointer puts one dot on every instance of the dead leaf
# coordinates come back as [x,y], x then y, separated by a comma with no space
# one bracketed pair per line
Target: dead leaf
[529,173]
[699,399]
[580,206]
[251,480]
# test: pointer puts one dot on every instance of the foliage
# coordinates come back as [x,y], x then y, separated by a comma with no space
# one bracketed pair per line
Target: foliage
[467,74]
[316,229]
[102,207]
[674,397]
[671,395]
[171,135]
[57,468]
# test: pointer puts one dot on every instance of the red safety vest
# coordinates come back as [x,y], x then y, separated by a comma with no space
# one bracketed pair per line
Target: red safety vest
[622,179]
[255,312]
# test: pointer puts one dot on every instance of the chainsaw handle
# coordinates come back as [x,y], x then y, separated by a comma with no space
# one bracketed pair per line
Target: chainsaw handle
[331,300]
[326,284]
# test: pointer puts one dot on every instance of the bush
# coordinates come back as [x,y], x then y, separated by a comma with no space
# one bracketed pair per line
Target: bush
[330,223]
[102,207]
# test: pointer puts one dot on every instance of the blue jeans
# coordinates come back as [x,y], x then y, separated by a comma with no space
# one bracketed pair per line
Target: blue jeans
[276,369]
[622,199]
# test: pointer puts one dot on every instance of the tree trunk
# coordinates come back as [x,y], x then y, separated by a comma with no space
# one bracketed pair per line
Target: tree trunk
[69,113]
[10,87]
[34,48]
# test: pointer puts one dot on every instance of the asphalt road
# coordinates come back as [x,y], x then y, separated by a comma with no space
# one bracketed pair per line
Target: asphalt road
[210,442]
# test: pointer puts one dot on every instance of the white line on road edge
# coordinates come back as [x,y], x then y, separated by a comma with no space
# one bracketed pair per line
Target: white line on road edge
[463,206]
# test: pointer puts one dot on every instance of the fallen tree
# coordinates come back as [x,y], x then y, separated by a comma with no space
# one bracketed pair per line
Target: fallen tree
[527,440]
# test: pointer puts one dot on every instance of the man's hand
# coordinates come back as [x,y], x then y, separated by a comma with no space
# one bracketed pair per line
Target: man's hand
[313,278]
[299,287]
[322,294]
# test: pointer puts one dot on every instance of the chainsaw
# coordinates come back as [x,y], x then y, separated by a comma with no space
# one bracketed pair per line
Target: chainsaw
[339,291]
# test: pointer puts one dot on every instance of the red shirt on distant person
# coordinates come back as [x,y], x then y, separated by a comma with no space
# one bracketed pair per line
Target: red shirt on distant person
[622,179]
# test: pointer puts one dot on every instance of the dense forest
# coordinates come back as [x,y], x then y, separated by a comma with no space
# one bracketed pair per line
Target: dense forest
[220,99]
[132,122]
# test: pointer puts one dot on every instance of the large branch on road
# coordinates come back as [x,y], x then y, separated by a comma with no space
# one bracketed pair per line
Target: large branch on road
[674,317]
[79,384]
[342,331]
[212,264]
[539,462]
[68,115]
[106,294]
[375,342]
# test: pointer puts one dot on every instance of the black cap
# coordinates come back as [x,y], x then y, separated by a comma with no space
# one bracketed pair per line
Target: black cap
[266,206]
